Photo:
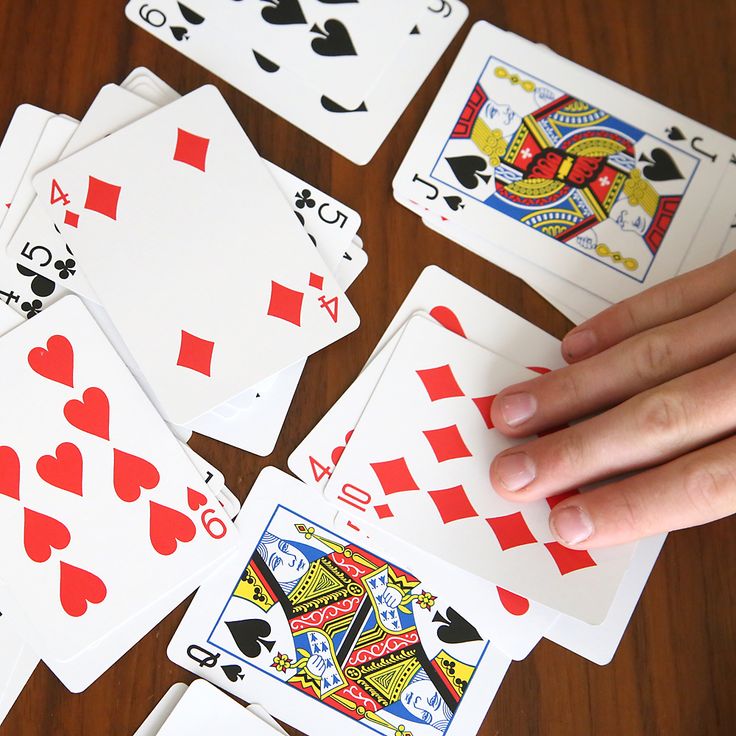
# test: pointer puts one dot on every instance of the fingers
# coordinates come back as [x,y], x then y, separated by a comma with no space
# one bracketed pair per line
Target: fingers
[692,490]
[637,364]
[666,302]
[648,429]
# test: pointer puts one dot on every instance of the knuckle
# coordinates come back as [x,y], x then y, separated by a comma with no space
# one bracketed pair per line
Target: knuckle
[567,385]
[662,419]
[710,490]
[568,452]
[653,358]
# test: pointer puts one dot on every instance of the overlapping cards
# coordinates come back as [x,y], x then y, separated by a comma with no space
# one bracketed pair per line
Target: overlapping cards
[155,280]
[341,71]
[245,409]
[389,588]
[581,187]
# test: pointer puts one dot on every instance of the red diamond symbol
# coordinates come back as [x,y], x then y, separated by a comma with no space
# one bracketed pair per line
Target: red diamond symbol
[453,504]
[440,383]
[511,530]
[484,404]
[102,197]
[569,560]
[71,218]
[394,476]
[316,281]
[383,511]
[286,303]
[539,369]
[195,353]
[447,444]
[191,149]
[552,501]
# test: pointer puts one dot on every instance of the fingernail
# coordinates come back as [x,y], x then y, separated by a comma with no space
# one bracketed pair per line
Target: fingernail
[518,408]
[571,525]
[515,471]
[579,344]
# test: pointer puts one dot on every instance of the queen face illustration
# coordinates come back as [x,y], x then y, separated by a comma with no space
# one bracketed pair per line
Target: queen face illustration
[287,563]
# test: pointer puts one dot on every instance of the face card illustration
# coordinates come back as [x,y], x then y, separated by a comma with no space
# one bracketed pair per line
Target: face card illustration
[275,292]
[418,465]
[94,488]
[314,626]
[564,168]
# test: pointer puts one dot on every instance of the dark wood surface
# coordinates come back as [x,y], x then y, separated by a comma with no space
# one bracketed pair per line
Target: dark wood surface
[675,672]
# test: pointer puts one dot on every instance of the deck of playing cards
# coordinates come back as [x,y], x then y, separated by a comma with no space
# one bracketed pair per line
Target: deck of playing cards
[581,187]
[341,71]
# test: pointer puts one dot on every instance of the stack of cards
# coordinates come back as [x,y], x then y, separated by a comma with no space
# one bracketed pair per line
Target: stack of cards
[341,71]
[391,587]
[184,207]
[586,190]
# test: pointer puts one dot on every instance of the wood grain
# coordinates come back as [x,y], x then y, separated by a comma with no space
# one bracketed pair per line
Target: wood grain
[674,673]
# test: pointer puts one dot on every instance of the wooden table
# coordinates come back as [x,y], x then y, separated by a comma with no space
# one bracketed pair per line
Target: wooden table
[675,672]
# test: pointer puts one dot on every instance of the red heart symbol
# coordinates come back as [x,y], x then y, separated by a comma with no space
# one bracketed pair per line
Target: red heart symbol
[55,361]
[195,499]
[42,533]
[448,319]
[64,470]
[338,451]
[516,605]
[9,473]
[91,414]
[168,527]
[77,588]
[130,474]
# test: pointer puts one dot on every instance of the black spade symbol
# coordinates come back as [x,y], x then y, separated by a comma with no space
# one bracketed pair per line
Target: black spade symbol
[455,203]
[180,33]
[661,166]
[455,629]
[675,134]
[233,672]
[266,64]
[466,170]
[284,13]
[189,15]
[250,636]
[334,40]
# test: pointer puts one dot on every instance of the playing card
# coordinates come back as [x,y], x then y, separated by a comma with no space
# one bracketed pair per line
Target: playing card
[204,709]
[583,177]
[22,287]
[339,48]
[599,643]
[16,667]
[152,725]
[18,144]
[79,521]
[318,629]
[195,354]
[417,466]
[459,308]
[355,132]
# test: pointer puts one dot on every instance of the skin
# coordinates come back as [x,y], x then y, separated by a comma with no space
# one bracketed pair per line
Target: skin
[655,375]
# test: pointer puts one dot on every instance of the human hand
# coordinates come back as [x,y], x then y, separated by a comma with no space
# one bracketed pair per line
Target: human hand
[662,366]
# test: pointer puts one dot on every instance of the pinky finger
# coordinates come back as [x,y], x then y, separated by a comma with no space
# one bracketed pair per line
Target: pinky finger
[693,489]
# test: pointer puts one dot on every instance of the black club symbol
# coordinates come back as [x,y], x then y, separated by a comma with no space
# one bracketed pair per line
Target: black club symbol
[31,308]
[304,199]
[66,268]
